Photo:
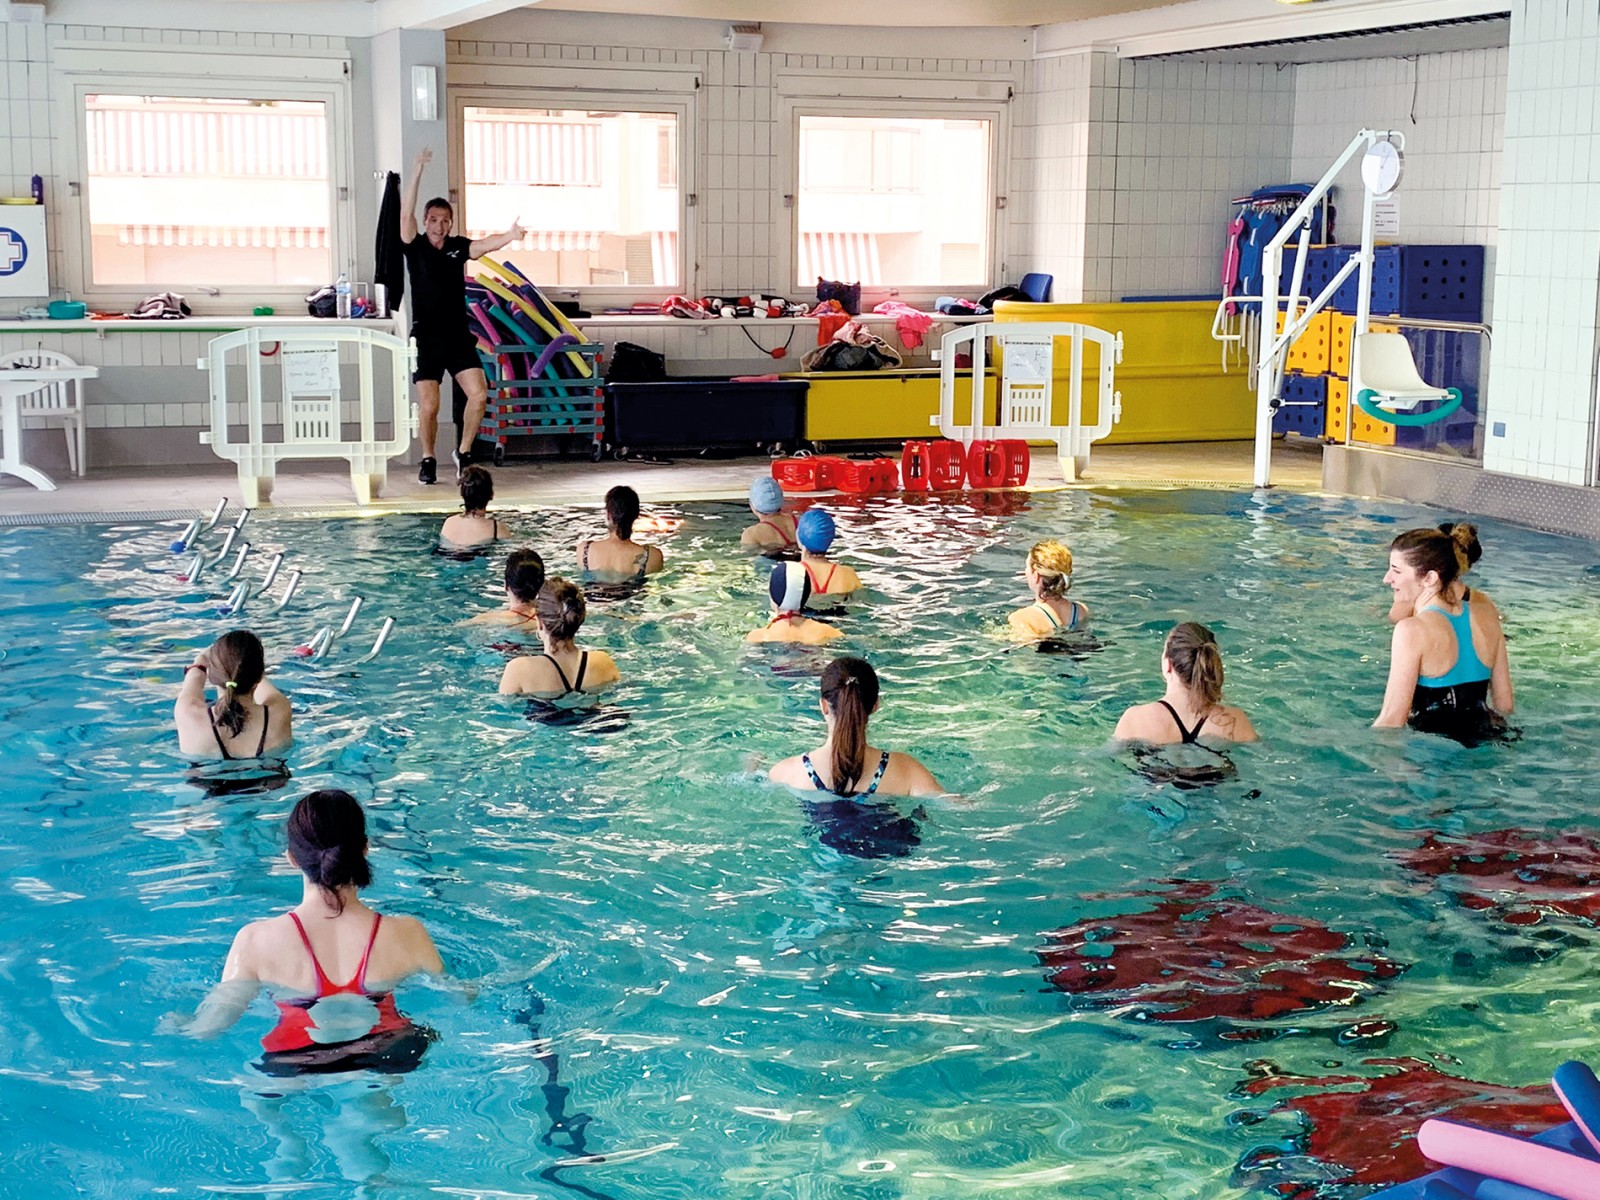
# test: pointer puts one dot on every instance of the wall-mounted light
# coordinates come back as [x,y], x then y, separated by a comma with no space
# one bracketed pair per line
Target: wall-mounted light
[745,38]
[424,93]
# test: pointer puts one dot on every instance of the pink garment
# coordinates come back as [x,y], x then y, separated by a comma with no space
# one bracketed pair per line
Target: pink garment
[911,322]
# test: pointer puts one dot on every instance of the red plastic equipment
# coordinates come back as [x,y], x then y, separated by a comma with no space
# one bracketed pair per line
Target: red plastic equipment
[888,474]
[798,474]
[998,464]
[866,477]
[936,466]
[828,471]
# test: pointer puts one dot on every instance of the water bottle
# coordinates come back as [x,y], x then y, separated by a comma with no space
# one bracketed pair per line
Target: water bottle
[341,294]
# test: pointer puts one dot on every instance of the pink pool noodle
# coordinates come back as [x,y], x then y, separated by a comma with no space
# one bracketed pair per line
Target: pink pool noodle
[1512,1159]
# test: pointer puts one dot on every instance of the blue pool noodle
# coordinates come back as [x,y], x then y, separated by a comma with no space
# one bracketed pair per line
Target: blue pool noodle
[1479,1187]
[1580,1092]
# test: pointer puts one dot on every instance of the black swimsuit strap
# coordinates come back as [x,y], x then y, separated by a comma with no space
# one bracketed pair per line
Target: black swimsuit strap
[565,685]
[266,723]
[215,732]
[1188,735]
[583,665]
[585,557]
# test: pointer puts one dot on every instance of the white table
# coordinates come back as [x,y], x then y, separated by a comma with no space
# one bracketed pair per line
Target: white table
[15,383]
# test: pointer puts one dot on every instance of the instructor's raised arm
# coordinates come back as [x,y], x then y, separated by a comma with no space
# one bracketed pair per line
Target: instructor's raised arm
[499,241]
[408,202]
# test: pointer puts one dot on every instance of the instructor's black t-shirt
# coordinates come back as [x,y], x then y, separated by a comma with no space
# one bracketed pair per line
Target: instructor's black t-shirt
[438,283]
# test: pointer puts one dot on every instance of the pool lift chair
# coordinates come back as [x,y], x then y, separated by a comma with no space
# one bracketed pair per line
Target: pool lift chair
[1384,381]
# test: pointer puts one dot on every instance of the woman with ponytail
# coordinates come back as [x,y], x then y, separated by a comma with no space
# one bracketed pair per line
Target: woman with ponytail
[325,1025]
[1191,664]
[564,669]
[845,764]
[250,717]
[1448,670]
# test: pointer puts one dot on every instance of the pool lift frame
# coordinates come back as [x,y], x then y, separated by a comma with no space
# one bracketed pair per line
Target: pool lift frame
[1274,346]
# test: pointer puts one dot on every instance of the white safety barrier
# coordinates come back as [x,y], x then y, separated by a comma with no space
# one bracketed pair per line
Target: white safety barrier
[309,404]
[1025,397]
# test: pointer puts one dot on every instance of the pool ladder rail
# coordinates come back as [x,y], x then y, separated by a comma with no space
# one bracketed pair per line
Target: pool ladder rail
[322,641]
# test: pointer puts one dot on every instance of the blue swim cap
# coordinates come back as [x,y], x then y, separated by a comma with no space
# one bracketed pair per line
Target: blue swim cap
[814,531]
[766,495]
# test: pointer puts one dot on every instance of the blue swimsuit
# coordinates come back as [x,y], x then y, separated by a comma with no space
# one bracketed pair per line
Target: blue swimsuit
[1456,703]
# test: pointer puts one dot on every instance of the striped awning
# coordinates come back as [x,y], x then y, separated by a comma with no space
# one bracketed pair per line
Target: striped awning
[847,257]
[270,237]
[556,239]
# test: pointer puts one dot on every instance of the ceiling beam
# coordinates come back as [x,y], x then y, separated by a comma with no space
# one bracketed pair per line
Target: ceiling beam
[333,18]
[438,14]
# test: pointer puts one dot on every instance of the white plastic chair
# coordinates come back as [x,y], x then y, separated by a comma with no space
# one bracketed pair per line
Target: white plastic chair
[55,401]
[1387,369]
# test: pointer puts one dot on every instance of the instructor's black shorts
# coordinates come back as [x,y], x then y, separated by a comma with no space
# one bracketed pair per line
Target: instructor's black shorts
[442,354]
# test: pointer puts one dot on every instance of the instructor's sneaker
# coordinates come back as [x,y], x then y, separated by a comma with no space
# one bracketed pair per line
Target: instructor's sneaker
[428,471]
[463,461]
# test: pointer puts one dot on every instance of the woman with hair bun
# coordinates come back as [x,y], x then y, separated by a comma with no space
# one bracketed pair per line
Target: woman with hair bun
[250,718]
[1048,570]
[326,1025]
[1466,537]
[1448,670]
[563,669]
[845,765]
[1191,663]
[617,558]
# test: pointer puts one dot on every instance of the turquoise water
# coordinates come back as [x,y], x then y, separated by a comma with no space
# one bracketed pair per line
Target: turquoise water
[663,981]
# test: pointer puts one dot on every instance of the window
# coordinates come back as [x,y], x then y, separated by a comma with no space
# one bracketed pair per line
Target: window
[209,190]
[891,200]
[597,192]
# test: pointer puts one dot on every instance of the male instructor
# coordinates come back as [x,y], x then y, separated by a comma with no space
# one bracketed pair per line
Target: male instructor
[438,264]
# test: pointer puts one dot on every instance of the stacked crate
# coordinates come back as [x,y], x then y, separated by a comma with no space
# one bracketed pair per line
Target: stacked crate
[1440,282]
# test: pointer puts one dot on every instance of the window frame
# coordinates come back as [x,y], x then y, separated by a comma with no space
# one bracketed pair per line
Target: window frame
[791,108]
[180,73]
[500,88]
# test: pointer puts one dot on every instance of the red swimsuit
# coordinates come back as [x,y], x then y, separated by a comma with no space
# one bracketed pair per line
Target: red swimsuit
[295,1021]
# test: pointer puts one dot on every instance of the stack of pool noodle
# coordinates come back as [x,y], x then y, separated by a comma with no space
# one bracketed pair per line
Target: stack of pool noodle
[544,385]
[1563,1162]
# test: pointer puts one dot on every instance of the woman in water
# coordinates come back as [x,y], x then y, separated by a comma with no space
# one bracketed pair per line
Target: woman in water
[617,558]
[845,765]
[523,578]
[773,531]
[563,669]
[1048,571]
[831,582]
[250,717]
[473,526]
[1448,671]
[790,588]
[1191,663]
[323,1024]
[1467,538]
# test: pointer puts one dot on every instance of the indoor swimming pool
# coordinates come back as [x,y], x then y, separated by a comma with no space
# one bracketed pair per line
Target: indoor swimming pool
[1079,975]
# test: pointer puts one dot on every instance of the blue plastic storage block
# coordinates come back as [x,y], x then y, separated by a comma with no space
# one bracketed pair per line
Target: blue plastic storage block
[1305,407]
[1443,282]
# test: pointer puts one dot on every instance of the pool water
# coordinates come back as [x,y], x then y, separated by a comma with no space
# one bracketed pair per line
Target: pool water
[668,978]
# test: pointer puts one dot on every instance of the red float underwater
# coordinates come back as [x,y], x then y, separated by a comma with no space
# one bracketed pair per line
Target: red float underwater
[1517,876]
[1200,956]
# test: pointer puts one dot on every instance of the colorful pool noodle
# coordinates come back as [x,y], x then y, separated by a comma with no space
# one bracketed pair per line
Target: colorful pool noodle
[1516,1161]
[1579,1091]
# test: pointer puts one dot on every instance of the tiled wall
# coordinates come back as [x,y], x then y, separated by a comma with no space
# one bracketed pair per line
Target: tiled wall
[1541,376]
[1451,108]
[1050,197]
[1189,136]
